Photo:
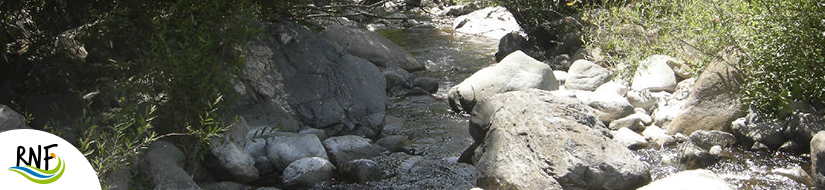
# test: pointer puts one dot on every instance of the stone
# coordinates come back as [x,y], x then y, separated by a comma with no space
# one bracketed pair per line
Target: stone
[360,171]
[586,75]
[609,106]
[510,43]
[372,46]
[392,122]
[458,10]
[428,84]
[707,139]
[690,180]
[491,22]
[533,140]
[343,149]
[306,172]
[286,85]
[163,162]
[284,149]
[561,76]
[630,139]
[321,134]
[228,161]
[796,173]
[394,79]
[715,100]
[630,122]
[757,146]
[654,74]
[818,159]
[612,88]
[256,148]
[768,133]
[395,143]
[694,157]
[225,185]
[642,99]
[802,126]
[515,72]
[11,120]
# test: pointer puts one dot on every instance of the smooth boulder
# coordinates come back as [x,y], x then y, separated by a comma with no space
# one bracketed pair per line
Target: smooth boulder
[343,149]
[515,72]
[164,163]
[715,100]
[586,75]
[11,120]
[532,139]
[306,172]
[372,46]
[655,74]
[284,149]
[294,78]
[818,159]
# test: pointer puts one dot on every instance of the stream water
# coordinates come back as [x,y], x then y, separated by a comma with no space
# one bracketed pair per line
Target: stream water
[439,136]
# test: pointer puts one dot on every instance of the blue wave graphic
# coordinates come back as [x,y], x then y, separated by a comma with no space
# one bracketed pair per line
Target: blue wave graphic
[31,172]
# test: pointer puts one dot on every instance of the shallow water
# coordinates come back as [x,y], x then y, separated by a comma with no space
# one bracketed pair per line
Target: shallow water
[439,136]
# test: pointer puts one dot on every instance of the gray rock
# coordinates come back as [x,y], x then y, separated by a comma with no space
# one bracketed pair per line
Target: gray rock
[163,163]
[609,106]
[372,46]
[458,10]
[228,161]
[428,84]
[707,139]
[225,185]
[796,173]
[667,108]
[395,143]
[510,43]
[394,79]
[690,180]
[534,140]
[306,172]
[715,100]
[630,122]
[492,22]
[766,132]
[321,134]
[285,149]
[118,180]
[360,171]
[288,85]
[642,99]
[757,146]
[655,74]
[818,159]
[392,122]
[11,120]
[630,139]
[517,71]
[343,149]
[694,157]
[267,188]
[585,75]
[802,126]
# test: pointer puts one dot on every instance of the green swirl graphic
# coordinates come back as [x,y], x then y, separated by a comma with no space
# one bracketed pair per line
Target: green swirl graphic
[60,167]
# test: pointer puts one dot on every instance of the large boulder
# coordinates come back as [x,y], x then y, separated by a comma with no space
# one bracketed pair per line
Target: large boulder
[284,149]
[756,129]
[292,73]
[690,180]
[715,100]
[655,74]
[231,162]
[802,126]
[818,159]
[586,75]
[11,120]
[515,72]
[492,22]
[164,163]
[533,140]
[371,46]
[350,147]
[306,172]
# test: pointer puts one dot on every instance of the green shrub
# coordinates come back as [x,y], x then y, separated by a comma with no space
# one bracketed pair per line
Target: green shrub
[787,54]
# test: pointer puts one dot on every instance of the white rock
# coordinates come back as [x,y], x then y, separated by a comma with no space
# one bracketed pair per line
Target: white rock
[308,171]
[630,139]
[586,75]
[492,22]
[690,180]
[655,74]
